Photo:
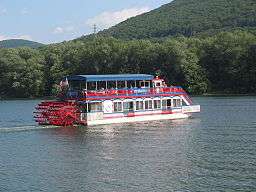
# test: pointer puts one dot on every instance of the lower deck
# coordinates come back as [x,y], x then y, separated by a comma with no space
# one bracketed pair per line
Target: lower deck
[138,109]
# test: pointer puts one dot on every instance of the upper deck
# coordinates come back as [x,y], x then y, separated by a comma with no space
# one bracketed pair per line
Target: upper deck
[102,87]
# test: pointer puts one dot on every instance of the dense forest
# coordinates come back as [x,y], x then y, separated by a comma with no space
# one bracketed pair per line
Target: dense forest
[188,18]
[14,43]
[223,63]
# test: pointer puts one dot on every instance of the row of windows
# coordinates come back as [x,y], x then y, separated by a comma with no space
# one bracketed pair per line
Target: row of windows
[137,105]
[77,85]
[146,105]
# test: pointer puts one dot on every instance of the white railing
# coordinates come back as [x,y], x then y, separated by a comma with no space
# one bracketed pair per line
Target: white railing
[191,109]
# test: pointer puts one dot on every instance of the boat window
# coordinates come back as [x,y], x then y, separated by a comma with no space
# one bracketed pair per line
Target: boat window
[120,84]
[128,106]
[176,103]
[101,85]
[145,84]
[131,84]
[157,104]
[141,84]
[91,86]
[139,105]
[169,103]
[157,83]
[164,104]
[111,85]
[118,107]
[94,107]
[148,105]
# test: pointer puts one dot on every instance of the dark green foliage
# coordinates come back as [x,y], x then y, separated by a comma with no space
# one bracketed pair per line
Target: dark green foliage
[14,43]
[230,62]
[21,73]
[188,18]
[224,63]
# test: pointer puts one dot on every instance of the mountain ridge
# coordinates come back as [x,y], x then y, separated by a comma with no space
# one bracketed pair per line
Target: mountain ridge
[14,43]
[188,18]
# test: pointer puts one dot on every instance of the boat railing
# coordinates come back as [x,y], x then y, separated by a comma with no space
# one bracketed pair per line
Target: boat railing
[127,92]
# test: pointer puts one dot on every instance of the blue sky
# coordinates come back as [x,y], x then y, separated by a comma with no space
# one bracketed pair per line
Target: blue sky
[50,21]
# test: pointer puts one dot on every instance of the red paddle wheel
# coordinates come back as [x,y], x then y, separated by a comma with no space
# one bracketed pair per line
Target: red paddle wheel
[57,113]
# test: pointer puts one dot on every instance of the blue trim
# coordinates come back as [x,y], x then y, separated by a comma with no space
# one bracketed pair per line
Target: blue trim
[118,77]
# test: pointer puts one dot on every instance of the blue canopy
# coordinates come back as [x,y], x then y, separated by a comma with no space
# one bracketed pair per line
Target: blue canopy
[119,77]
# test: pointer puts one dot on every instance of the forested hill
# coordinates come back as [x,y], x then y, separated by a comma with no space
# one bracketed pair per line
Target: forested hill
[188,18]
[14,43]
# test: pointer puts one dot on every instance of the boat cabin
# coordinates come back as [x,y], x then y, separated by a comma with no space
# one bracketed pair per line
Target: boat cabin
[105,96]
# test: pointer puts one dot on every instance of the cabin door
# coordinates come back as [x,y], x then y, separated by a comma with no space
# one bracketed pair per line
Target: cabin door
[129,109]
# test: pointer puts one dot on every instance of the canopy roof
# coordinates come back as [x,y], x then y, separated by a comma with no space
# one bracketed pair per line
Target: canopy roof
[119,77]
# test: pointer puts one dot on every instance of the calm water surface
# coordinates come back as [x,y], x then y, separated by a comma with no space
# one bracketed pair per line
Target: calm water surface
[213,151]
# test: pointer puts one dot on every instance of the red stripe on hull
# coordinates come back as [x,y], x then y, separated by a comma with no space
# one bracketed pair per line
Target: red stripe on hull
[144,114]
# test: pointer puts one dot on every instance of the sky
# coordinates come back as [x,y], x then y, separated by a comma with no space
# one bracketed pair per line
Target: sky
[51,21]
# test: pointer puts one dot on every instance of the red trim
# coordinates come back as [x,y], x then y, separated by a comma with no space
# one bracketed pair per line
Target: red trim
[128,97]
[111,92]
[139,115]
[131,93]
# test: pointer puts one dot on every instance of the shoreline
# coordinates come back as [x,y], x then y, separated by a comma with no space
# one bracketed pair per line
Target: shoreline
[226,94]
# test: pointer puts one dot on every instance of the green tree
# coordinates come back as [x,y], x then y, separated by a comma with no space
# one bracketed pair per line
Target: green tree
[21,74]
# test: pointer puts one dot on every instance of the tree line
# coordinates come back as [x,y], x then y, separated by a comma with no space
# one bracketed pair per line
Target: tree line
[223,63]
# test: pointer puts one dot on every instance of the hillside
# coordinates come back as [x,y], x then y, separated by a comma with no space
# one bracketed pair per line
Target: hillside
[188,18]
[13,43]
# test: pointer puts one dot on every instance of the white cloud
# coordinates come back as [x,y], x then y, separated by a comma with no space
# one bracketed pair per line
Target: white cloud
[5,37]
[26,37]
[61,30]
[58,30]
[108,19]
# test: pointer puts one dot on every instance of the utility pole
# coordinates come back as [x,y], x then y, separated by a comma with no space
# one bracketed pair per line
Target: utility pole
[94,29]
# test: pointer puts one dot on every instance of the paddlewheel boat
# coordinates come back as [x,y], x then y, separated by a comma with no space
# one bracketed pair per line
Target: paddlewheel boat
[107,99]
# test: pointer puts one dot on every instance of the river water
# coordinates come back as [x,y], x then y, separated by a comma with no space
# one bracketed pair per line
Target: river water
[213,151]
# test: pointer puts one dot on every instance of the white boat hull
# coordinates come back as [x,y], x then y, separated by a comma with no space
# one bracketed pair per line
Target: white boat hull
[138,119]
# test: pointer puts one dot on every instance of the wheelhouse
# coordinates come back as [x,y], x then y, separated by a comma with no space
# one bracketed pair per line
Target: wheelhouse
[128,94]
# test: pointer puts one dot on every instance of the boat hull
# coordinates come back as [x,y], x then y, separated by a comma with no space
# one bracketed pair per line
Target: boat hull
[138,119]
